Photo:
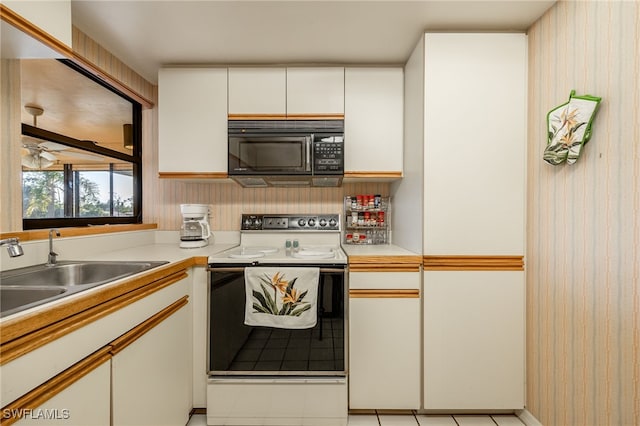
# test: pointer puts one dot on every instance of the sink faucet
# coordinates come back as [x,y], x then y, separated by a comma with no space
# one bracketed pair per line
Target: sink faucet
[51,261]
[13,246]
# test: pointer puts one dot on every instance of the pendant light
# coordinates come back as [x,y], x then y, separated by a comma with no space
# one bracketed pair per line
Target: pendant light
[127,130]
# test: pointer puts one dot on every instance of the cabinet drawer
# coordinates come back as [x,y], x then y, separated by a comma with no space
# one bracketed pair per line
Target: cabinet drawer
[384,280]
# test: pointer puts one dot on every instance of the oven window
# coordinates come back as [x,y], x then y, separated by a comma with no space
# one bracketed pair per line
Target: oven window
[276,156]
[237,349]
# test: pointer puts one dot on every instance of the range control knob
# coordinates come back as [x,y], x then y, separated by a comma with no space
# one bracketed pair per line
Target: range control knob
[323,222]
[312,222]
[247,222]
[332,223]
[302,222]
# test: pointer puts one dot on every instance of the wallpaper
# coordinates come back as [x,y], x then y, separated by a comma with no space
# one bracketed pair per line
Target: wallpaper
[583,224]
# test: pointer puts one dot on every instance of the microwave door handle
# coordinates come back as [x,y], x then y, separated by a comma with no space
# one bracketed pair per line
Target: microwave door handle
[308,140]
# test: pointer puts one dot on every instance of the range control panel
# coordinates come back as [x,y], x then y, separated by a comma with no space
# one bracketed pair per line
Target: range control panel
[266,222]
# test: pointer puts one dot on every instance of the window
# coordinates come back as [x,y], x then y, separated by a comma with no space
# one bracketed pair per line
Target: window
[81,156]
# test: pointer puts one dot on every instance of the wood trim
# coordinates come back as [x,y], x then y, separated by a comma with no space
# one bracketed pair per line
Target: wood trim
[43,234]
[201,261]
[48,40]
[384,263]
[232,117]
[384,294]
[372,174]
[193,175]
[38,338]
[12,18]
[473,263]
[315,116]
[122,342]
[22,325]
[55,385]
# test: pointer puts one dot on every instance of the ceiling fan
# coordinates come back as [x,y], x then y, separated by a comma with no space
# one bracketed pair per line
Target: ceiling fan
[39,154]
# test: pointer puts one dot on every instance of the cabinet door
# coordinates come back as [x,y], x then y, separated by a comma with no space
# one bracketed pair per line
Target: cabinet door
[192,122]
[86,402]
[474,143]
[257,91]
[315,91]
[374,120]
[384,353]
[151,377]
[474,340]
[53,17]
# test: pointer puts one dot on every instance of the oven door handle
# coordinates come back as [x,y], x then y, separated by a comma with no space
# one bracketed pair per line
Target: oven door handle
[241,269]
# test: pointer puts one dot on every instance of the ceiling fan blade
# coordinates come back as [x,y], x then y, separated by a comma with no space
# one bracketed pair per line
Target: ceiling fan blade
[49,156]
[52,146]
[35,161]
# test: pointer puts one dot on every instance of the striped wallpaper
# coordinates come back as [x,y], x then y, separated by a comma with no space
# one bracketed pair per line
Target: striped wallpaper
[583,250]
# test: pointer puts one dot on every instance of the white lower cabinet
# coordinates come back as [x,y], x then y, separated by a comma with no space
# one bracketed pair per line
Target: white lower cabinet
[384,340]
[86,402]
[151,378]
[474,340]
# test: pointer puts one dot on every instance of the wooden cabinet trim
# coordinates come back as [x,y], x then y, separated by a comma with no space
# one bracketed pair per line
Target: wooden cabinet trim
[315,116]
[38,338]
[43,234]
[193,175]
[361,263]
[384,294]
[372,174]
[55,385]
[140,330]
[473,263]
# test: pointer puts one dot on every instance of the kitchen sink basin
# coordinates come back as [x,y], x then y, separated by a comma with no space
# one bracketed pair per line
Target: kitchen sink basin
[27,287]
[15,296]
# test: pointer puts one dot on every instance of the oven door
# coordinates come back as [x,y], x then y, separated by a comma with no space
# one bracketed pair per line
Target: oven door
[270,155]
[235,349]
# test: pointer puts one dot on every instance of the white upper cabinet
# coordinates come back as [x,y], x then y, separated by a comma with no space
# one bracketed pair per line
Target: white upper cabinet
[315,90]
[474,143]
[257,91]
[374,120]
[53,17]
[192,124]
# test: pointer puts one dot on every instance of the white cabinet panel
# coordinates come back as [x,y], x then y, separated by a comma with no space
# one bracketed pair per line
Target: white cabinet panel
[257,91]
[87,402]
[374,119]
[474,340]
[384,353]
[384,280]
[53,17]
[474,143]
[151,378]
[192,123]
[315,90]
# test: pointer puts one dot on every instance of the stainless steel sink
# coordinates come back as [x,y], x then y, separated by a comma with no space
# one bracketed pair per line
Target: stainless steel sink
[27,287]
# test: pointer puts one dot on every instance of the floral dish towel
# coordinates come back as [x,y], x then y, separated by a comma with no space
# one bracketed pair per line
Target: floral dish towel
[281,297]
[569,128]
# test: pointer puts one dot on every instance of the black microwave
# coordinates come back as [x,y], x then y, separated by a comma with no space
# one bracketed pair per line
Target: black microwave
[292,148]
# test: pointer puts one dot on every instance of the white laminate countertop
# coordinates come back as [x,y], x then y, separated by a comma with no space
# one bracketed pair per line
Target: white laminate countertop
[377,250]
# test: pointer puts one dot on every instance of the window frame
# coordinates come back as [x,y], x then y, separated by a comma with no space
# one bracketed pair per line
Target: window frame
[135,159]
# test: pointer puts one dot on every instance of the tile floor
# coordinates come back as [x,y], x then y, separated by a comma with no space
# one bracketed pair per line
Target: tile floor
[412,420]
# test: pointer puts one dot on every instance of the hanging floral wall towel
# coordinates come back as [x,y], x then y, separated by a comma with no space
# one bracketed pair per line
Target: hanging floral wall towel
[282,297]
[569,128]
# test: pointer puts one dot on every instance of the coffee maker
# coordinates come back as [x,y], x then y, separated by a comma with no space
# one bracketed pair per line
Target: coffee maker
[195,231]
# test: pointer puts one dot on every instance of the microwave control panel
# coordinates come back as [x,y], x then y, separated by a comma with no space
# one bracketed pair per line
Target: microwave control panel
[328,157]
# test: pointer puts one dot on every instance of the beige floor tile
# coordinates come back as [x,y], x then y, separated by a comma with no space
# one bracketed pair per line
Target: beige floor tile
[435,420]
[363,420]
[507,420]
[468,420]
[397,420]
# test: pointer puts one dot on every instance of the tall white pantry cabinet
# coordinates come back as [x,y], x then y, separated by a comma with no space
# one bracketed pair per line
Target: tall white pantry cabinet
[470,138]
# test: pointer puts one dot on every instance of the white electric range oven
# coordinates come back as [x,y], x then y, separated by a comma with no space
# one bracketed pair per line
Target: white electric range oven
[277,375]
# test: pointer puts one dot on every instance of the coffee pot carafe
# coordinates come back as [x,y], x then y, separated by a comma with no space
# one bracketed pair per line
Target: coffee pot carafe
[195,231]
